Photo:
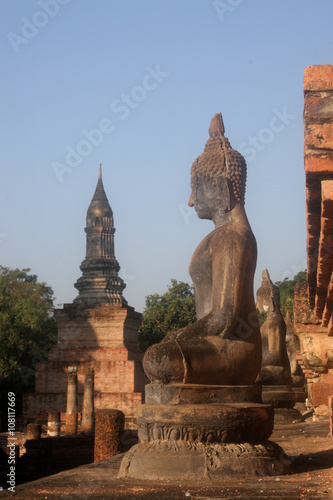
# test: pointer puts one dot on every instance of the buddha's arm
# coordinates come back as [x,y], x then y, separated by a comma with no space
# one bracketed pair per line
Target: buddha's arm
[275,343]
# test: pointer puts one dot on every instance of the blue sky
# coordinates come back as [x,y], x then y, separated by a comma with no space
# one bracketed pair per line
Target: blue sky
[133,85]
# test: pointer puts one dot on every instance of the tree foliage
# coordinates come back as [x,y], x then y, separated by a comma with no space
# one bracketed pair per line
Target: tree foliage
[286,288]
[166,313]
[27,327]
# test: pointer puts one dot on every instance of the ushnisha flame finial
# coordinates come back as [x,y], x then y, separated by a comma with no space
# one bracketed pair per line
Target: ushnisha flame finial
[216,128]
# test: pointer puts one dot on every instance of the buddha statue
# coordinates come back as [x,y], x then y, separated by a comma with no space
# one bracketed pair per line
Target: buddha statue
[293,345]
[275,367]
[223,347]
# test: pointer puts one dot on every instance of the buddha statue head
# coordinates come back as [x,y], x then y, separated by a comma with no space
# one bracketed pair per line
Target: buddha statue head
[268,296]
[218,175]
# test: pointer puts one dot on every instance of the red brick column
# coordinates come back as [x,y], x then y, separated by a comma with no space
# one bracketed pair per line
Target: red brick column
[318,163]
[313,307]
[109,426]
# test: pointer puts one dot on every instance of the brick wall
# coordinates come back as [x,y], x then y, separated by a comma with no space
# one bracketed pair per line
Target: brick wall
[103,338]
[313,304]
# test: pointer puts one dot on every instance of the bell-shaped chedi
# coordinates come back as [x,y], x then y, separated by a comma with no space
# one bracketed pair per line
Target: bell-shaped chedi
[97,332]
[100,281]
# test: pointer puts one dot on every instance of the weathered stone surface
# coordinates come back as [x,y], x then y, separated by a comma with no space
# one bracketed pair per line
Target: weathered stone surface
[103,338]
[109,427]
[53,424]
[303,313]
[293,347]
[87,423]
[178,394]
[100,281]
[315,348]
[71,423]
[318,164]
[206,423]
[318,77]
[279,396]
[198,421]
[286,415]
[213,461]
[321,393]
[72,407]
[319,135]
[223,347]
[275,366]
[315,345]
[301,394]
[316,352]
[318,106]
[98,481]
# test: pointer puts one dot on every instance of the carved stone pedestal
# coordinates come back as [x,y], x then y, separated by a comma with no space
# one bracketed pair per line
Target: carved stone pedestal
[280,396]
[226,437]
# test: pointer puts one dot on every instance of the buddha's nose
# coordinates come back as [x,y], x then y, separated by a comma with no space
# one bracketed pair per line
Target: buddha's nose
[190,201]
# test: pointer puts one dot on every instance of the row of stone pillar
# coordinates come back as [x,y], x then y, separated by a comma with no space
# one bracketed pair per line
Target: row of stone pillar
[109,423]
[87,423]
[108,433]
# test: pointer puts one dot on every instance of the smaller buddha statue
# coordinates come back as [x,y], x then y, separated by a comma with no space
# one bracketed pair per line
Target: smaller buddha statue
[293,345]
[275,367]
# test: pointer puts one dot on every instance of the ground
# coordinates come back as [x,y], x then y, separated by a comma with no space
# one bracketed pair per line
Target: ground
[308,445]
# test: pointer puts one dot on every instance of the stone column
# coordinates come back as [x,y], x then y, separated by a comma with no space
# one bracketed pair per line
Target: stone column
[71,410]
[87,424]
[53,424]
[34,431]
[109,427]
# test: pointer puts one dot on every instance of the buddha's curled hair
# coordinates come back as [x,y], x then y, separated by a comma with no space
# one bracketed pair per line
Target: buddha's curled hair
[219,159]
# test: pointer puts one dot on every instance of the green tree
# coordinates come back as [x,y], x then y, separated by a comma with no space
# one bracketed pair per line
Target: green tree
[27,328]
[286,288]
[166,313]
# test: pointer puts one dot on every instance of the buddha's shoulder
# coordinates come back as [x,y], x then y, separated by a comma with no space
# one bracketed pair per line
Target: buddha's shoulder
[231,233]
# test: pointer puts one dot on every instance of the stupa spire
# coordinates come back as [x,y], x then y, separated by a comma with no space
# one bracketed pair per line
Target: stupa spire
[100,281]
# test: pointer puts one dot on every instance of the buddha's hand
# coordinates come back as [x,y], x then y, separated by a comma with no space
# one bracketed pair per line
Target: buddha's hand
[173,335]
[195,331]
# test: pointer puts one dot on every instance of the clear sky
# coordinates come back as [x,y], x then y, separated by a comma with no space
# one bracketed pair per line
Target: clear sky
[133,84]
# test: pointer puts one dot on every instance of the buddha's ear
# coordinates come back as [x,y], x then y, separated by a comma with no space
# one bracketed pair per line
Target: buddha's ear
[225,187]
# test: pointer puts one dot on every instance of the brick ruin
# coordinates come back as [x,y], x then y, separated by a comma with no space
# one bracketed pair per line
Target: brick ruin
[98,332]
[313,305]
